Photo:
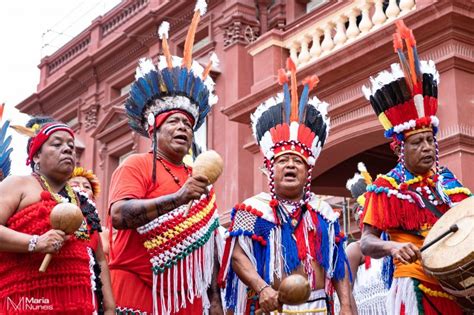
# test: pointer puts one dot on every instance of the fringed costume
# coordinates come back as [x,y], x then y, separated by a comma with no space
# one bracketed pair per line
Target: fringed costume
[279,236]
[405,101]
[369,289]
[169,261]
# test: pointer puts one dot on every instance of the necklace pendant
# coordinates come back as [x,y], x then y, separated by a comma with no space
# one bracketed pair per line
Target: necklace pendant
[294,222]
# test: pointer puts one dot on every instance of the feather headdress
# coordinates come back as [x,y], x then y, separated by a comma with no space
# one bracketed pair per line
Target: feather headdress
[405,99]
[5,150]
[357,184]
[174,83]
[285,123]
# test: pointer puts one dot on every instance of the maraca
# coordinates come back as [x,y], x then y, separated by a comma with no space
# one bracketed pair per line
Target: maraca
[293,290]
[209,164]
[66,217]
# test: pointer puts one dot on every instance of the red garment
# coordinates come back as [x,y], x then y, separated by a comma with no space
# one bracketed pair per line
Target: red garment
[129,264]
[64,288]
[443,305]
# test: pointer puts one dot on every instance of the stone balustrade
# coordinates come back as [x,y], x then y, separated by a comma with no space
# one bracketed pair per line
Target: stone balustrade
[115,21]
[69,54]
[95,33]
[352,22]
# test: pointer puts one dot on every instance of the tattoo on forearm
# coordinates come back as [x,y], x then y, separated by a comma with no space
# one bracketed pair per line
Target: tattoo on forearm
[137,212]
[133,214]
[165,204]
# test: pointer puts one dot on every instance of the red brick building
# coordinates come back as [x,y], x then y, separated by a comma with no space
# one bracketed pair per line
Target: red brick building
[344,42]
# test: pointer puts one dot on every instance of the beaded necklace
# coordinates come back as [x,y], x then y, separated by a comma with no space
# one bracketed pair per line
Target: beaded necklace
[57,196]
[291,203]
[168,170]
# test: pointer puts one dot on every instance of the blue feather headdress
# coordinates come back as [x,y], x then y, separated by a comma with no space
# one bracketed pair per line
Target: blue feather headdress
[5,150]
[174,83]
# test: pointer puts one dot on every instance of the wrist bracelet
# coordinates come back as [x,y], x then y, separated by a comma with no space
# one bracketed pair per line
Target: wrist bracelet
[32,243]
[263,287]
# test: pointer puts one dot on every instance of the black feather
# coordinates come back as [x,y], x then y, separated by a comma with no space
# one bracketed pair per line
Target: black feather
[398,92]
[315,121]
[358,188]
[269,119]
[404,89]
[375,105]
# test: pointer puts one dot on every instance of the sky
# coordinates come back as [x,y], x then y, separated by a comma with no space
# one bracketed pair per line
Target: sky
[30,30]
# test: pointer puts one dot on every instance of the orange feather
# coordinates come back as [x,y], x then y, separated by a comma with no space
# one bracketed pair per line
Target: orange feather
[166,52]
[282,77]
[189,43]
[312,81]
[411,39]
[397,42]
[206,70]
[2,106]
[406,34]
[402,29]
[294,90]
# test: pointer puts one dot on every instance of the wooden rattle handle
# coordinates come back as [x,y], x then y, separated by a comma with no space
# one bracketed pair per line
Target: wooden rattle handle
[45,263]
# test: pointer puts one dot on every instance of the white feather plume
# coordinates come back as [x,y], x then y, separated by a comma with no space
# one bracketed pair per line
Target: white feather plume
[361,167]
[397,71]
[214,59]
[163,30]
[367,92]
[322,107]
[263,107]
[429,67]
[145,65]
[213,99]
[351,181]
[201,5]
[162,64]
[384,78]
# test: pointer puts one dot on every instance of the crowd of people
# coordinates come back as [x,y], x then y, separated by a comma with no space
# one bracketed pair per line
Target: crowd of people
[160,250]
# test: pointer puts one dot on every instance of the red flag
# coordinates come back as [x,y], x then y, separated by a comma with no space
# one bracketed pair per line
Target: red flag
[1,110]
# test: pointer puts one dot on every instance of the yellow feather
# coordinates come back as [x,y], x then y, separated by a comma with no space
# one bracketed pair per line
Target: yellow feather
[29,132]
[384,121]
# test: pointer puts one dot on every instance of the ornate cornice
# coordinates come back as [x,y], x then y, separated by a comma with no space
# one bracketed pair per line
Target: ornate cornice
[240,25]
[91,115]
[240,31]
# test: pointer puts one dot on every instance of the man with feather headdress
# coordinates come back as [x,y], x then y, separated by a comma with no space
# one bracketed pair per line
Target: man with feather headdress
[407,201]
[162,259]
[289,230]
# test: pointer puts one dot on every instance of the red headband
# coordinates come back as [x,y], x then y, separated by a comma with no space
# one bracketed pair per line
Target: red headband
[43,135]
[160,118]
